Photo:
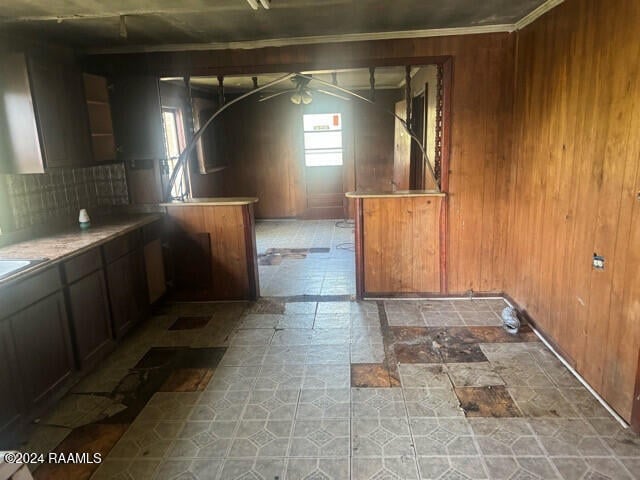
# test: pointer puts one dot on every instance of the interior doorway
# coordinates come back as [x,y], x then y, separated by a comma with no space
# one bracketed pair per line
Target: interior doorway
[298,146]
[305,257]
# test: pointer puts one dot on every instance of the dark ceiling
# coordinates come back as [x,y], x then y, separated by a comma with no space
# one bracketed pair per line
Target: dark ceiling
[96,24]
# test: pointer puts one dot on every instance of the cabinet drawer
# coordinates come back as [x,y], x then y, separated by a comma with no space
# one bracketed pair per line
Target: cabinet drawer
[19,295]
[82,265]
[121,246]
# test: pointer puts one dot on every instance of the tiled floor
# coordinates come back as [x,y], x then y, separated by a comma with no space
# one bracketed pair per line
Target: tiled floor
[335,390]
[316,273]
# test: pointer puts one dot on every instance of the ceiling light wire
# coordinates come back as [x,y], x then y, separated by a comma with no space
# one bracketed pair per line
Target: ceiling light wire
[123,27]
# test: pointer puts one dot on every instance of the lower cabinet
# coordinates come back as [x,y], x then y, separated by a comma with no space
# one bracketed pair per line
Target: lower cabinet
[43,348]
[90,318]
[128,295]
[11,395]
[63,318]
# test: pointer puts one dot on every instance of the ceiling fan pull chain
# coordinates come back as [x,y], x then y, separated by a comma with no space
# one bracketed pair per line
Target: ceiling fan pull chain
[372,82]
[221,99]
[407,92]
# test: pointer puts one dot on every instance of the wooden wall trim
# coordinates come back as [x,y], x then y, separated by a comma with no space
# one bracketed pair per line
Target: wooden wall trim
[635,409]
[359,250]
[445,159]
[253,274]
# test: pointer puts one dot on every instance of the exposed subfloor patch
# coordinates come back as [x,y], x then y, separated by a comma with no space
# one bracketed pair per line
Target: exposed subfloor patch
[329,388]
[190,322]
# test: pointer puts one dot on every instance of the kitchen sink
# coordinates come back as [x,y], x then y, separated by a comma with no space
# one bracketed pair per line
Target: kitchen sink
[11,266]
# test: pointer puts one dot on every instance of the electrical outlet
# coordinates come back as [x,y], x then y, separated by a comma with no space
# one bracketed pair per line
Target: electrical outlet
[598,262]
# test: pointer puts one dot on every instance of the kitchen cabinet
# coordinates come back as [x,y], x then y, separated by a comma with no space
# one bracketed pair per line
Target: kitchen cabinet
[43,348]
[35,328]
[154,260]
[57,323]
[127,282]
[139,134]
[11,395]
[89,312]
[43,115]
[48,92]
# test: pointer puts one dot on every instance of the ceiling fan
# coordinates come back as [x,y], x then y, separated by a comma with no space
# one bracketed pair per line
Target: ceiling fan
[302,92]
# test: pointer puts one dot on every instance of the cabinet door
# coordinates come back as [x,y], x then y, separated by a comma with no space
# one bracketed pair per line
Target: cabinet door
[11,395]
[127,291]
[49,95]
[137,118]
[139,134]
[89,311]
[43,347]
[155,270]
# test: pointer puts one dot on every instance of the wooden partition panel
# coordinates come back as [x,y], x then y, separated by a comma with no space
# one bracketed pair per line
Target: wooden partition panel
[401,245]
[576,160]
[222,267]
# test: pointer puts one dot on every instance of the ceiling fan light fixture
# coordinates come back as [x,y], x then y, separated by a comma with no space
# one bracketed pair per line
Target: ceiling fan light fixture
[296,98]
[253,4]
[306,97]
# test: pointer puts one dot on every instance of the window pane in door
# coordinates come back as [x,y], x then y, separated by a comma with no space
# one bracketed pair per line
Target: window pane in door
[322,140]
[318,122]
[323,158]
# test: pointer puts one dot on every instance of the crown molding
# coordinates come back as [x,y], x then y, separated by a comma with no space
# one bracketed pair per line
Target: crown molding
[535,14]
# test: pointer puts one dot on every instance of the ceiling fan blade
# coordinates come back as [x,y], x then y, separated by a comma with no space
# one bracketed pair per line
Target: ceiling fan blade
[274,95]
[326,92]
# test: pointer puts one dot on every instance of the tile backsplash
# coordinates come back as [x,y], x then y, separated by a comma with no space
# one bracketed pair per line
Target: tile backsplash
[59,194]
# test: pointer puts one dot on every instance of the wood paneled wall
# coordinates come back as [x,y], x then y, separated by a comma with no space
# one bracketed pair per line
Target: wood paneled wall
[373,139]
[576,162]
[405,258]
[480,136]
[263,150]
[215,252]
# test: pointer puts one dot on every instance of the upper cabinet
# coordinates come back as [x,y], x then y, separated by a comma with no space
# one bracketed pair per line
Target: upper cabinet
[137,115]
[139,133]
[43,114]
[52,115]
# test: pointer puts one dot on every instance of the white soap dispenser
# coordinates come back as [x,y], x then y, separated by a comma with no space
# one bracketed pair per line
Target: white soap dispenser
[83,219]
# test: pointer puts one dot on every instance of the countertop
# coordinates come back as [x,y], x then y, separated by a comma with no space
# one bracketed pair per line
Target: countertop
[213,201]
[396,194]
[71,242]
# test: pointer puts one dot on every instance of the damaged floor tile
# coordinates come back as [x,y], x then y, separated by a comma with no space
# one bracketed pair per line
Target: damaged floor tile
[492,401]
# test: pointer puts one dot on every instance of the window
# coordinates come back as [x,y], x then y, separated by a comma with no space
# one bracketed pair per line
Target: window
[322,139]
[175,143]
